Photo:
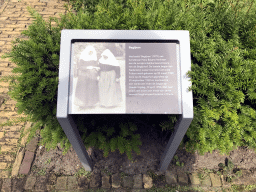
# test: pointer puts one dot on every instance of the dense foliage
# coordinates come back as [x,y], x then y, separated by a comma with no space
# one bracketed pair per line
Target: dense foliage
[223,53]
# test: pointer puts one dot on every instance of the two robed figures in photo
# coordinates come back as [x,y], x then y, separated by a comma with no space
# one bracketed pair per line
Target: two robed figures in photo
[98,81]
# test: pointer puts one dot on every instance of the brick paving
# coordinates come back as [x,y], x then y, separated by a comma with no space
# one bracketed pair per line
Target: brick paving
[18,156]
[14,18]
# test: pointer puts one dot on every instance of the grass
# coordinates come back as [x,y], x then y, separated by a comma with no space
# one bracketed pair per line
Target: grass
[48,161]
[42,172]
[204,173]
[82,172]
[177,161]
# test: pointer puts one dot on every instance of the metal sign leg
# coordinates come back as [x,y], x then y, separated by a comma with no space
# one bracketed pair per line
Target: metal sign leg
[180,129]
[73,136]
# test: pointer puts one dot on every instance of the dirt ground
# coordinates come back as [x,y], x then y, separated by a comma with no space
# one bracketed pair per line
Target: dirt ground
[151,150]
[1,3]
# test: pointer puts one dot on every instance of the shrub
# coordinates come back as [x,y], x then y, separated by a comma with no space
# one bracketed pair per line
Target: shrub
[223,68]
[222,36]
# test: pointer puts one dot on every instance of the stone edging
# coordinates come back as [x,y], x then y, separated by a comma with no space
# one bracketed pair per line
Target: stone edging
[115,181]
[70,183]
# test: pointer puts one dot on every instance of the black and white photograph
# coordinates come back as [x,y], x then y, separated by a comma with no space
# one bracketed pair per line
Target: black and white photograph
[98,80]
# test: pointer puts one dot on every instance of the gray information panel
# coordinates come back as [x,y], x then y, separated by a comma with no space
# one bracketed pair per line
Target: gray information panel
[140,78]
[147,75]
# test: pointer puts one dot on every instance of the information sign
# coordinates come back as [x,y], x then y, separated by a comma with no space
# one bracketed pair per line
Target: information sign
[124,72]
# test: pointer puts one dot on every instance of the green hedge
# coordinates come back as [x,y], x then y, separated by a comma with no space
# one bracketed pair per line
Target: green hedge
[223,52]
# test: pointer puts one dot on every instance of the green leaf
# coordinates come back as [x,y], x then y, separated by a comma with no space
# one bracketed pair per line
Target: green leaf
[132,126]
[121,145]
[113,144]
[129,155]
[110,131]
[124,130]
[106,150]
[230,165]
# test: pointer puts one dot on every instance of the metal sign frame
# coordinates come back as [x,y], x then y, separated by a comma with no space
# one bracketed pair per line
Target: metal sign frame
[65,119]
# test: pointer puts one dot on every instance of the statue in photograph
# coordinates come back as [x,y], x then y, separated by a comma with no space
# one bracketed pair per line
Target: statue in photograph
[110,94]
[87,91]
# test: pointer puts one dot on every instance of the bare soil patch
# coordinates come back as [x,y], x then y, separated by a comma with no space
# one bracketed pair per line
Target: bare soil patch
[152,147]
